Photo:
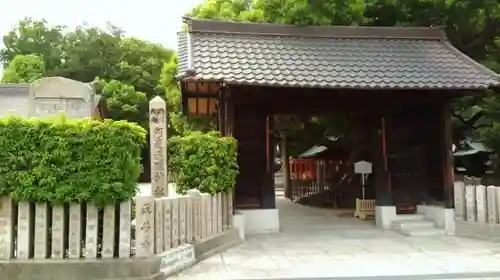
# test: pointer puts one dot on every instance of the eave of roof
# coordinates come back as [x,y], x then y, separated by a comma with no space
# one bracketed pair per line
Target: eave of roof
[211,44]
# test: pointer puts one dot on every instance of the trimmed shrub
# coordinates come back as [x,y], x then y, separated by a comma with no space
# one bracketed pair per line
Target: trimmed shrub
[203,161]
[63,161]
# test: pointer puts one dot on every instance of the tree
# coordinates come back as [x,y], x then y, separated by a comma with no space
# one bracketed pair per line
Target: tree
[24,69]
[124,101]
[129,69]
[33,37]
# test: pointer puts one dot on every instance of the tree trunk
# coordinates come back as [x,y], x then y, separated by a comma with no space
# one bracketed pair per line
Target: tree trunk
[286,165]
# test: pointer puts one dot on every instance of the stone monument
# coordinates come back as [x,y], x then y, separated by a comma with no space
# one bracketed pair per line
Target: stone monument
[52,95]
[158,146]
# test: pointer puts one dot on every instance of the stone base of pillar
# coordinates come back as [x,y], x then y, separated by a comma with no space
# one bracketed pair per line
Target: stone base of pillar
[261,221]
[239,224]
[384,216]
[442,217]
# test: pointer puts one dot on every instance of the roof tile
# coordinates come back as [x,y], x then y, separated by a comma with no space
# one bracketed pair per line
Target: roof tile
[331,62]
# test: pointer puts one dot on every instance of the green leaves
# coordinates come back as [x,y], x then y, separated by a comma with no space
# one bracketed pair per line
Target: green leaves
[24,69]
[123,101]
[203,161]
[62,161]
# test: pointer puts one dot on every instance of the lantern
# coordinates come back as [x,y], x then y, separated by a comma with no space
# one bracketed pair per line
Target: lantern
[200,98]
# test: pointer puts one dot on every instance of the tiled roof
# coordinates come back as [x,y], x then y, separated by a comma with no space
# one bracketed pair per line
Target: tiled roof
[327,57]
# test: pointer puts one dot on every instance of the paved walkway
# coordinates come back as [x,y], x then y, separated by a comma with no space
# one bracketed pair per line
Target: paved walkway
[315,243]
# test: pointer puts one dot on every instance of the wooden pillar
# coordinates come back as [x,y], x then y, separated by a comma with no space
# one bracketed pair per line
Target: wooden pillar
[380,165]
[286,166]
[447,156]
[268,191]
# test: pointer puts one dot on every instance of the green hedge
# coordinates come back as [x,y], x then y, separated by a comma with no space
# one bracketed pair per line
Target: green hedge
[63,161]
[203,161]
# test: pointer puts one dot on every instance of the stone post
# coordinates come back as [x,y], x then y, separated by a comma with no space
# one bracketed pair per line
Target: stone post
[492,204]
[108,231]
[159,220]
[459,200]
[91,232]
[6,228]
[125,229]
[57,232]
[144,228]
[24,219]
[197,219]
[497,195]
[481,207]
[41,230]
[470,203]
[158,146]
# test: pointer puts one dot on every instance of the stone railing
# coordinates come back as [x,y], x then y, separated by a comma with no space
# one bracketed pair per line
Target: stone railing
[39,231]
[476,203]
[167,222]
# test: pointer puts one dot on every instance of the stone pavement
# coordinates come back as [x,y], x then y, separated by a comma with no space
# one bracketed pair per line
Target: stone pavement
[317,244]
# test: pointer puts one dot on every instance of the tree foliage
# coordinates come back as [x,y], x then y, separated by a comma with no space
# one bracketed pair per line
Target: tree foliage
[24,69]
[128,69]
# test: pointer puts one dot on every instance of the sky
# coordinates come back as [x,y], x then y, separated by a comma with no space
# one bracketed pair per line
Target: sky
[153,20]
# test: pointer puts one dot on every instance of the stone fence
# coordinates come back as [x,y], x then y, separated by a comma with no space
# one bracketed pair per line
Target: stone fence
[39,231]
[477,209]
[153,236]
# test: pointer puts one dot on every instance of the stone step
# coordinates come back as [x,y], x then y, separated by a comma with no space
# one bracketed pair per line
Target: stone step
[422,232]
[411,224]
[409,217]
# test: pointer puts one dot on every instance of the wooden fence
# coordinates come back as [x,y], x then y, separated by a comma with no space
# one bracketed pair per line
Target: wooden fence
[39,231]
[477,203]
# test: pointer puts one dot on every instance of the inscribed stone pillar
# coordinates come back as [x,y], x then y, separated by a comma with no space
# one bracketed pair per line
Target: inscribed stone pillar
[159,220]
[41,229]
[144,228]
[492,204]
[125,229]
[52,95]
[205,204]
[219,212]
[189,219]
[158,146]
[23,233]
[214,214]
[182,219]
[197,223]
[75,231]
[481,203]
[57,232]
[175,223]
[167,223]
[108,231]
[224,210]
[91,232]
[210,220]
[230,209]
[6,232]
[470,202]
[459,193]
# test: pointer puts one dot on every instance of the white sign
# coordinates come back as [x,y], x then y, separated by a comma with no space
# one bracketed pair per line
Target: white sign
[362,167]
